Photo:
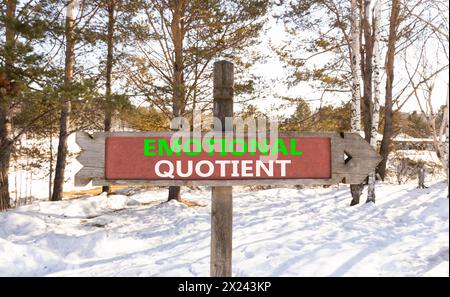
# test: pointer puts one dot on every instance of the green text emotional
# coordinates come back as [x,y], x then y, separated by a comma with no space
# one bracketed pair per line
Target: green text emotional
[221,146]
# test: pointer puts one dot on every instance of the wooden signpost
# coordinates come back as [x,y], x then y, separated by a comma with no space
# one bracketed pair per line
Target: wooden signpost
[304,159]
[227,159]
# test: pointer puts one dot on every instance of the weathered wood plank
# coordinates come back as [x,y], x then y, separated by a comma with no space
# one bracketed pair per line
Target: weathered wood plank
[221,231]
[250,182]
[92,157]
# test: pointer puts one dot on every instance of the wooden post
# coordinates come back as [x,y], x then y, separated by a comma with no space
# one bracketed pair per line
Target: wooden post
[222,197]
[422,178]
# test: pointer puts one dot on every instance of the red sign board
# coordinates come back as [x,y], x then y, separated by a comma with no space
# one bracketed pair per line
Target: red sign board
[141,158]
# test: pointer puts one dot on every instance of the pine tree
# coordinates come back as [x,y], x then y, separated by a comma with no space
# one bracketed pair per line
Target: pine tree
[66,104]
[77,94]
[326,24]
[25,29]
[178,48]
[111,9]
[9,89]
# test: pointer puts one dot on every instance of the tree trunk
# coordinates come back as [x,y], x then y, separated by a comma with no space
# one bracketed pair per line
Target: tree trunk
[50,167]
[65,108]
[355,190]
[376,94]
[367,70]
[421,178]
[388,121]
[5,157]
[178,32]
[446,132]
[109,66]
[441,139]
[7,91]
[355,65]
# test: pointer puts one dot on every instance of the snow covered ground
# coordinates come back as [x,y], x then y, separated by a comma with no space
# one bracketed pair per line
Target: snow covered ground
[277,232]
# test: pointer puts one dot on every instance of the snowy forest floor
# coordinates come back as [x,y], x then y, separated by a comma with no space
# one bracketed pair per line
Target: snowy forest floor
[276,232]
